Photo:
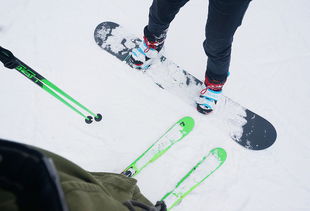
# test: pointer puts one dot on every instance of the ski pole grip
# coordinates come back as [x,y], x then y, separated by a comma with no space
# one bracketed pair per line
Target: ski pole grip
[8,59]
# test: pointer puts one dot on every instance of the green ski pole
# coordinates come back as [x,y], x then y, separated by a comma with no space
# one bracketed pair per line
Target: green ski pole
[10,61]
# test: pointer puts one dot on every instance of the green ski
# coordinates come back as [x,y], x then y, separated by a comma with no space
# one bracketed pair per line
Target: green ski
[199,173]
[173,135]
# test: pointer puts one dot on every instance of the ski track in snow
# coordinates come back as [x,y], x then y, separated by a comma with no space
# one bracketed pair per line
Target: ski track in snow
[269,75]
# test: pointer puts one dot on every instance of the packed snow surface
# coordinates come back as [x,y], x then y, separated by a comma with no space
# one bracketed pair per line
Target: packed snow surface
[269,75]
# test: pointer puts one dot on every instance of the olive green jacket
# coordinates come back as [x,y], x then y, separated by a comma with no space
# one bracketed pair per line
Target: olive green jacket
[86,191]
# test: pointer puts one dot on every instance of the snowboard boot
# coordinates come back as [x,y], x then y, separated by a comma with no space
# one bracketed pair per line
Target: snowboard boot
[142,56]
[209,95]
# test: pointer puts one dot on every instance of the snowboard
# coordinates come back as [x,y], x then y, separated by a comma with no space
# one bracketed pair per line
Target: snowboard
[244,126]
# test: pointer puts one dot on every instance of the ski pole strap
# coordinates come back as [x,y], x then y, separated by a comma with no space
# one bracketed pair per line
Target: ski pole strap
[8,59]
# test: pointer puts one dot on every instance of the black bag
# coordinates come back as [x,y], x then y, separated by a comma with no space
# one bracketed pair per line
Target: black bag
[31,177]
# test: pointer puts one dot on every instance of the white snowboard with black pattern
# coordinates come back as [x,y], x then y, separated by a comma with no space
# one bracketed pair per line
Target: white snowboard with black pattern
[245,127]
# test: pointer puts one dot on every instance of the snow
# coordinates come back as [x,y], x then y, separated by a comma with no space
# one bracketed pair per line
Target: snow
[269,75]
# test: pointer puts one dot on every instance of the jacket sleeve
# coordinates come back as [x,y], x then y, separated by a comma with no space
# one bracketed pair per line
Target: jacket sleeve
[94,191]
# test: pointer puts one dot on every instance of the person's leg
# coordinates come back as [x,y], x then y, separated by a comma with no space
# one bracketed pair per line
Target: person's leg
[162,12]
[224,17]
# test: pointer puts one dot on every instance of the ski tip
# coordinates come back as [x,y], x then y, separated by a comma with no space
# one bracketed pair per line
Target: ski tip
[219,153]
[187,123]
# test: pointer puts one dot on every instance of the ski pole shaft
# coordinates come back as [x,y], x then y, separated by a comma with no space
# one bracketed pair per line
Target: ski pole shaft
[55,91]
[64,101]
[36,77]
[10,61]
[53,86]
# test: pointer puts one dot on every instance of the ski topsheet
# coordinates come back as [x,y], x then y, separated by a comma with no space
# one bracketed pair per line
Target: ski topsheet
[173,135]
[199,173]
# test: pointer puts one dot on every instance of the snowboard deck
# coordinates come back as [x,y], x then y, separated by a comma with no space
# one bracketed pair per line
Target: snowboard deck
[247,128]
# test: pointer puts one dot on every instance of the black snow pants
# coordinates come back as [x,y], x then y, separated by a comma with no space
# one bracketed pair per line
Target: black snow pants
[224,17]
